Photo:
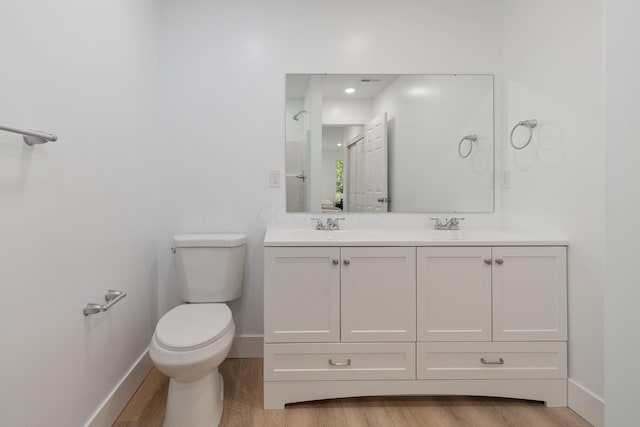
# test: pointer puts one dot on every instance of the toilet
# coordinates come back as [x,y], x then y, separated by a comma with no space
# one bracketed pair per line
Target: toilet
[191,340]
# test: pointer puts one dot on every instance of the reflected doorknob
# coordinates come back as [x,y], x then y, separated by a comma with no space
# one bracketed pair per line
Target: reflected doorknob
[383,199]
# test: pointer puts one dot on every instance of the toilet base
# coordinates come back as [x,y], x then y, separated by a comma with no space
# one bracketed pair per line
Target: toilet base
[195,404]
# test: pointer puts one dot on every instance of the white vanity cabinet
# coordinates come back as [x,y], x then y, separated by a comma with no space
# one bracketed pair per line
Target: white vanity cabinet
[529,293]
[302,294]
[491,312]
[413,315]
[454,294]
[331,294]
[492,294]
[378,287]
[339,314]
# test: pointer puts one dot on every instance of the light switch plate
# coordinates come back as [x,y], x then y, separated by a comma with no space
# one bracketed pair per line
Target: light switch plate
[274,178]
[506,180]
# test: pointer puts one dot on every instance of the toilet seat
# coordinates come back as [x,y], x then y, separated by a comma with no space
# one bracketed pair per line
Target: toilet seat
[192,326]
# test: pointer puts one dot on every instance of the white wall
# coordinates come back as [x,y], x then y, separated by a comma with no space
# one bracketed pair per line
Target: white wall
[80,215]
[622,296]
[427,117]
[296,156]
[77,216]
[313,123]
[553,72]
[294,128]
[223,87]
[331,153]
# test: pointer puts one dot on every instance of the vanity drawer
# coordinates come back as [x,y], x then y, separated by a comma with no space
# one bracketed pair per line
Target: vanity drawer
[491,360]
[339,361]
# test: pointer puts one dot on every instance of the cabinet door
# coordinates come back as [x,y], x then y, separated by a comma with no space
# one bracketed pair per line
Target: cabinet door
[454,294]
[301,295]
[529,294]
[378,294]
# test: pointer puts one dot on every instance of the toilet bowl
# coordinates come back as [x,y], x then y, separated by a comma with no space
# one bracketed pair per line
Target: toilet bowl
[189,344]
[193,339]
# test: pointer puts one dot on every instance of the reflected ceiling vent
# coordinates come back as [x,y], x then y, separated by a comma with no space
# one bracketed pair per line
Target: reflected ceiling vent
[370,80]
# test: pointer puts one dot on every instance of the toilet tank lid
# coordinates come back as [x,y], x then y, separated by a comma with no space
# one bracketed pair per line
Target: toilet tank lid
[214,240]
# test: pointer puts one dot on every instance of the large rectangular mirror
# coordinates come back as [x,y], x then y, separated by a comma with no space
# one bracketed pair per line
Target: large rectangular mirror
[389,143]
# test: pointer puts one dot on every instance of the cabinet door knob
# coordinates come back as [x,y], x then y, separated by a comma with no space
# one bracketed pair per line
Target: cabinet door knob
[346,262]
[499,261]
[487,261]
[336,262]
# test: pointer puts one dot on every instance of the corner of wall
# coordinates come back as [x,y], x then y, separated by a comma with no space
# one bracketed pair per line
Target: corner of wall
[247,346]
[115,402]
[585,403]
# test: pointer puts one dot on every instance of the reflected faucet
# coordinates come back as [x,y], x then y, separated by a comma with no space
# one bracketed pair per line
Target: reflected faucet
[448,224]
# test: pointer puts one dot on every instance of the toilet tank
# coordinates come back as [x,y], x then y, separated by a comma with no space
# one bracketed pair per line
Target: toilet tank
[210,266]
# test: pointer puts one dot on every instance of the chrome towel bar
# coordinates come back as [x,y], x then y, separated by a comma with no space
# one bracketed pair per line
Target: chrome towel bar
[31,137]
[111,296]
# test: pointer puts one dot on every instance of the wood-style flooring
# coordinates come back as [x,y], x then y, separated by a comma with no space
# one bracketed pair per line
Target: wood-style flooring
[243,407]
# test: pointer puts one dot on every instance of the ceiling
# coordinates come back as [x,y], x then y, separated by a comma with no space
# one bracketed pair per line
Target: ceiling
[367,86]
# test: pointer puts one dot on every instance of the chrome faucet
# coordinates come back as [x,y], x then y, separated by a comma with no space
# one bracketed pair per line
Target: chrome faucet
[333,224]
[448,224]
[319,224]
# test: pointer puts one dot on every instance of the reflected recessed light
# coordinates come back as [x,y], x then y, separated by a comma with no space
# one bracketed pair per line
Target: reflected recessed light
[420,91]
[349,90]
[339,144]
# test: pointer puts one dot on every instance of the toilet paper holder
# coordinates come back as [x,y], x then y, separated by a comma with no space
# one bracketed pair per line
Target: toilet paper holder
[111,296]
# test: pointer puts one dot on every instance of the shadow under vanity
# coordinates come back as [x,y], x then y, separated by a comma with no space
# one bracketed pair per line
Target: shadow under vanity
[414,312]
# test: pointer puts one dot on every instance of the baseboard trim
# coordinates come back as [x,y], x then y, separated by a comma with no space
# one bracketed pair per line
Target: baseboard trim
[113,405]
[585,403]
[247,346]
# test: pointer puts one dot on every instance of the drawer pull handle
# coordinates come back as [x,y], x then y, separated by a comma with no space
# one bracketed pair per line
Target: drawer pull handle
[499,261]
[347,363]
[346,262]
[487,261]
[499,362]
[336,262]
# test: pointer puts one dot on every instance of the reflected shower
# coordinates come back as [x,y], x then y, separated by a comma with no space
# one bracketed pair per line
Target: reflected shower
[296,116]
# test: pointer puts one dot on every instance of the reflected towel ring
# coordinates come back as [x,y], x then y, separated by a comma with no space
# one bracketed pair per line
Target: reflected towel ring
[471,139]
[528,124]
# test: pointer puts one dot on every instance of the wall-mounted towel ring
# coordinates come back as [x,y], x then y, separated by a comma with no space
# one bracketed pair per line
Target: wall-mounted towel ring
[471,139]
[528,124]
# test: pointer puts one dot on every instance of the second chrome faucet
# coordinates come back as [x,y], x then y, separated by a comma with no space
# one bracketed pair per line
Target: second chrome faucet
[448,224]
[331,224]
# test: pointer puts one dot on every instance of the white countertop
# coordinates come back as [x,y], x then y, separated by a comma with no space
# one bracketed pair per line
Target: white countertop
[407,237]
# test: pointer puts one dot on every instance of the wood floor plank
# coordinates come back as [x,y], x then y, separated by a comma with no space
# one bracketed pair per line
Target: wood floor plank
[243,397]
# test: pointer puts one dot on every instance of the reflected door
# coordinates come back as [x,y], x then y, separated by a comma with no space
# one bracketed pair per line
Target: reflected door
[351,168]
[374,176]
